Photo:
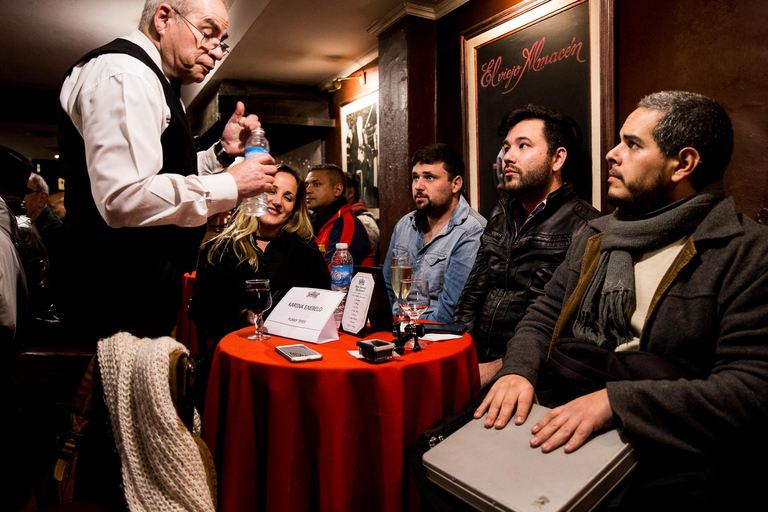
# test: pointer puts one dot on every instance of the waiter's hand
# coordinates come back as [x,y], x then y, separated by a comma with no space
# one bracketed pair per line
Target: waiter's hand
[573,423]
[509,394]
[237,130]
[254,176]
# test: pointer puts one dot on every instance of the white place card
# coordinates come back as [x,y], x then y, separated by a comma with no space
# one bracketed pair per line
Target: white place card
[305,314]
[358,302]
[357,355]
[433,336]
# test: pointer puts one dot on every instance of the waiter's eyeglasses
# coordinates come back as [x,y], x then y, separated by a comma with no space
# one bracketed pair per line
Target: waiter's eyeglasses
[208,42]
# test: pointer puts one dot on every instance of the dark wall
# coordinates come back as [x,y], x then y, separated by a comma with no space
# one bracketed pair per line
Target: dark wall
[717,48]
[407,87]
[450,105]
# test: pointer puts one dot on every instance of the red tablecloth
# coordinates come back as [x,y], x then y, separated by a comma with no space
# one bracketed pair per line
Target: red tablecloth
[326,435]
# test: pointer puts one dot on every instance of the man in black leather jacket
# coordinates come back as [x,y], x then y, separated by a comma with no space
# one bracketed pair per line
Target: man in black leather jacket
[523,245]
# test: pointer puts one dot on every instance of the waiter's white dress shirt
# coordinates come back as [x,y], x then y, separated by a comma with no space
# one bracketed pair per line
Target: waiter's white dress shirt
[117,104]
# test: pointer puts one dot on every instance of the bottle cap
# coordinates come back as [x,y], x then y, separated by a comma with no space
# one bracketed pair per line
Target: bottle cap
[341,246]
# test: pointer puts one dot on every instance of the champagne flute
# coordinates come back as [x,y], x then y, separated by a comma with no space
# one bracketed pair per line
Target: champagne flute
[258,300]
[414,300]
[400,269]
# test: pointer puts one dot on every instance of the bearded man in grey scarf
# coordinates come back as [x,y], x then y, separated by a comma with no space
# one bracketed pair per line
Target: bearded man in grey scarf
[674,272]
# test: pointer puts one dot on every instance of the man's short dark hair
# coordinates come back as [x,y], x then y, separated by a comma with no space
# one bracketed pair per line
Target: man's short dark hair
[692,120]
[335,173]
[560,131]
[354,185]
[440,153]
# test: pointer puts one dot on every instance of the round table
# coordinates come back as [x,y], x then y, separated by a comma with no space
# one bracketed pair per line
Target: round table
[326,435]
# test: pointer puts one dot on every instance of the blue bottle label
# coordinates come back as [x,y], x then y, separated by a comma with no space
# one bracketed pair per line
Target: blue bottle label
[255,151]
[341,275]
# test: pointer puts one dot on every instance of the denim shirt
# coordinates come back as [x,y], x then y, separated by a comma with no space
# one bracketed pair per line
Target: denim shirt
[447,258]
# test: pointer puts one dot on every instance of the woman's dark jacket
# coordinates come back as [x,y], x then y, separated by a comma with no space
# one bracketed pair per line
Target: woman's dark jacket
[219,298]
[510,271]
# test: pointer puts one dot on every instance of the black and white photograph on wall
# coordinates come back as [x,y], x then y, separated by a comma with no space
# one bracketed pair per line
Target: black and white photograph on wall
[360,137]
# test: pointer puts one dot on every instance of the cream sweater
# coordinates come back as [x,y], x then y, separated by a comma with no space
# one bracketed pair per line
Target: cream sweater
[161,465]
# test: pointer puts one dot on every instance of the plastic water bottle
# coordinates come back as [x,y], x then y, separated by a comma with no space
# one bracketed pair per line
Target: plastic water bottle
[256,145]
[341,276]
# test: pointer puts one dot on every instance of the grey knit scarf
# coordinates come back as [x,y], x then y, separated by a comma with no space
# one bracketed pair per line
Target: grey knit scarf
[609,301]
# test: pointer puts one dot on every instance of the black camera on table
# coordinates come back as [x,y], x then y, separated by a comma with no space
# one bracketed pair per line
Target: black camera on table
[376,351]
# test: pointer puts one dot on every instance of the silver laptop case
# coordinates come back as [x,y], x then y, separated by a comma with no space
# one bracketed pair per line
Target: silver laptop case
[498,469]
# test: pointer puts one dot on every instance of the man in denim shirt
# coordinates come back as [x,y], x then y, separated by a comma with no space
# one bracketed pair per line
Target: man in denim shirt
[442,235]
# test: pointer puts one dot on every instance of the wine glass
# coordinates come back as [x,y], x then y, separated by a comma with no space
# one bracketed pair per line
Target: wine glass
[258,300]
[400,269]
[414,300]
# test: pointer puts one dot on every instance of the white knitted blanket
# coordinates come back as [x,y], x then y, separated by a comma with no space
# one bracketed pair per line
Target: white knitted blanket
[162,467]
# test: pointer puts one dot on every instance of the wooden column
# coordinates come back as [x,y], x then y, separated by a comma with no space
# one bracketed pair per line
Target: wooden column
[407,67]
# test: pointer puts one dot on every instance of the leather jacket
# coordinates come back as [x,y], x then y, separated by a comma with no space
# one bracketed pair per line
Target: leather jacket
[510,270]
[34,258]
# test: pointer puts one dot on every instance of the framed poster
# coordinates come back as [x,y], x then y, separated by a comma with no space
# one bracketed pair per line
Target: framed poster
[360,138]
[556,53]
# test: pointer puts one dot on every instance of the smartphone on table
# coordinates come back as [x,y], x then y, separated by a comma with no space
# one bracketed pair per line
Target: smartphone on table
[298,353]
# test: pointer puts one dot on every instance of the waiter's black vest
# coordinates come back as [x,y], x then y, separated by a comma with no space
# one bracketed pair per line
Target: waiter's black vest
[168,249]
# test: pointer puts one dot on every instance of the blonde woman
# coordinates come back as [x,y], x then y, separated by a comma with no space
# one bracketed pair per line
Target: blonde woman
[277,246]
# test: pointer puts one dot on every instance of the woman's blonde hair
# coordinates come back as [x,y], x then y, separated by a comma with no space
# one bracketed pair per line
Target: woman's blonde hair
[239,231]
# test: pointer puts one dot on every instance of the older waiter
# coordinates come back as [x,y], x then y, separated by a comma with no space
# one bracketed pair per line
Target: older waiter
[138,194]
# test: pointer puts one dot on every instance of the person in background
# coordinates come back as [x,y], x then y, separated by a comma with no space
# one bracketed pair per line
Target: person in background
[56,204]
[360,210]
[675,280]
[523,245]
[442,235]
[37,203]
[332,218]
[48,224]
[277,246]
[15,169]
